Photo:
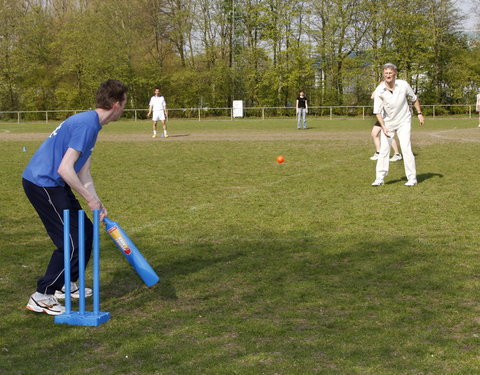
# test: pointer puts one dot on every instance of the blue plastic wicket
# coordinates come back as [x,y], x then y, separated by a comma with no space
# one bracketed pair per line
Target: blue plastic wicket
[82,317]
[81,261]
[66,259]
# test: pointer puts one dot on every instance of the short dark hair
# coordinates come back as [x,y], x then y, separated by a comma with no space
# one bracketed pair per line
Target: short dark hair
[109,92]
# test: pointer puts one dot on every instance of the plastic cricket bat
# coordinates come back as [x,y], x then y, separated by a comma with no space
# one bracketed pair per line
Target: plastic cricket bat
[130,251]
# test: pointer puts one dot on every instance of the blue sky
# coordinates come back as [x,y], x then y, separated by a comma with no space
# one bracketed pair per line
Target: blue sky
[465,7]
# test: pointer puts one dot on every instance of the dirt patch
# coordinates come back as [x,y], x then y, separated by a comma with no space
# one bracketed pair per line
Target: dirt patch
[456,135]
[422,137]
[204,136]
[23,136]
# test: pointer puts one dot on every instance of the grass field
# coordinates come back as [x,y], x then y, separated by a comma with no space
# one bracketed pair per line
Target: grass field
[266,268]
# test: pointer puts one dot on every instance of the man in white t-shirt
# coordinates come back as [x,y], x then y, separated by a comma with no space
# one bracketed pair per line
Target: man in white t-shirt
[393,112]
[159,107]
[478,108]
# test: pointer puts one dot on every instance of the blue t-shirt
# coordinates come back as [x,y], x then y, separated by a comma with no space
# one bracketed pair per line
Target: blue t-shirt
[78,132]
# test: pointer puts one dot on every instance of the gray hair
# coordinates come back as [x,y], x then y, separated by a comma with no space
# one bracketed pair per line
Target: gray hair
[390,66]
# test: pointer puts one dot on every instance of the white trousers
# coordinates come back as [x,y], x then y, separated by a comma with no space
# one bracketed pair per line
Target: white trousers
[403,132]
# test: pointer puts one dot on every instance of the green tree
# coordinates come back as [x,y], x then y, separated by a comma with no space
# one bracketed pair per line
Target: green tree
[38,60]
[445,44]
[54,53]
[409,37]
[339,28]
[11,14]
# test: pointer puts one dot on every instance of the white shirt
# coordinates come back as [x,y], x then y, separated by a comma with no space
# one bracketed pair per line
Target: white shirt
[394,104]
[157,103]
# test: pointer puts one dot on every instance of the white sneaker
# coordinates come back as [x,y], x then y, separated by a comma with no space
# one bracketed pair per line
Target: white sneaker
[45,303]
[378,182]
[74,292]
[375,156]
[411,183]
[396,157]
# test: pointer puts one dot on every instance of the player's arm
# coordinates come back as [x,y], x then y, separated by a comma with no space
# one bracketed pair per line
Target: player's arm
[82,182]
[86,179]
[149,110]
[421,118]
[377,110]
[382,123]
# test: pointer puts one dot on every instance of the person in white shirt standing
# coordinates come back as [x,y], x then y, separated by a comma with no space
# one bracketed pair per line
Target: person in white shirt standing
[391,99]
[159,107]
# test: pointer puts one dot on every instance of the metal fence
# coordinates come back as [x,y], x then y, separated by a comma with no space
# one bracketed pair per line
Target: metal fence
[263,113]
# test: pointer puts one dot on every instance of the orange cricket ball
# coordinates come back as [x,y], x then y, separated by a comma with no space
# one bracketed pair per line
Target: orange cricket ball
[280,159]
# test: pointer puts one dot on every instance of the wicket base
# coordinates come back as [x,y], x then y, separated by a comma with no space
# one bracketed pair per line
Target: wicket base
[87,318]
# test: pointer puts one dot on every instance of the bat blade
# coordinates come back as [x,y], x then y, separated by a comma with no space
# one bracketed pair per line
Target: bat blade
[131,252]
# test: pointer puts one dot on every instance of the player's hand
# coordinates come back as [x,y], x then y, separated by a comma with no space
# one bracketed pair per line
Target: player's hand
[97,205]
[103,213]
[421,119]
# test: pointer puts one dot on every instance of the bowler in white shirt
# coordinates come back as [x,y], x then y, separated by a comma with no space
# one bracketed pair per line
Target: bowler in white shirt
[392,109]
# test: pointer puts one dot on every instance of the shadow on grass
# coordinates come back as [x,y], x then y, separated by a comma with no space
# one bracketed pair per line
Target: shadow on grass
[425,176]
[178,135]
[420,178]
[360,300]
[120,286]
[274,262]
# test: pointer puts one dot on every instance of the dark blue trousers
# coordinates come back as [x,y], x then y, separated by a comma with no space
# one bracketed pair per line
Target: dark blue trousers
[49,202]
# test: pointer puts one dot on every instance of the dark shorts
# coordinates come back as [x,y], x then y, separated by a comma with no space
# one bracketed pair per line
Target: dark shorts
[377,124]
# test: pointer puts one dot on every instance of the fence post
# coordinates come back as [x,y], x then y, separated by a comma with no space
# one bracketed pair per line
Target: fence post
[198,114]
[18,117]
[135,115]
[433,111]
[46,117]
[363,113]
[331,113]
[231,114]
[469,111]
[263,113]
